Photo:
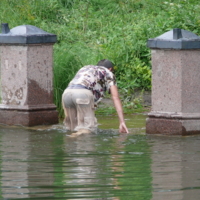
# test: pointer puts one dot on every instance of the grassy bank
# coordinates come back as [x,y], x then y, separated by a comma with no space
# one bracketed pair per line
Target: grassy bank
[91,30]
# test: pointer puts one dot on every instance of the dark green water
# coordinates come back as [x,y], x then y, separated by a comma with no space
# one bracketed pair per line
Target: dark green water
[45,163]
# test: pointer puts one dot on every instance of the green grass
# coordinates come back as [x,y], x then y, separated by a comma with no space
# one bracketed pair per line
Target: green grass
[91,30]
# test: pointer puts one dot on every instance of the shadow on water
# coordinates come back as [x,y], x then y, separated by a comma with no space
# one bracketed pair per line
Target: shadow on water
[46,163]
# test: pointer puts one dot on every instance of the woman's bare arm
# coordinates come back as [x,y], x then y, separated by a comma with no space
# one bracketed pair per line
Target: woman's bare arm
[119,109]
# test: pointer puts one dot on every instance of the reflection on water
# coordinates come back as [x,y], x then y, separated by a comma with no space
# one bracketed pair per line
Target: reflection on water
[175,167]
[45,163]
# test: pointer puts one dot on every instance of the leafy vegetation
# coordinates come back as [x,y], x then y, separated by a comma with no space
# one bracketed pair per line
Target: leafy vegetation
[90,30]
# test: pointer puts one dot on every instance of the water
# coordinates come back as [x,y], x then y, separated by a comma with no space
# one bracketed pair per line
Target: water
[45,163]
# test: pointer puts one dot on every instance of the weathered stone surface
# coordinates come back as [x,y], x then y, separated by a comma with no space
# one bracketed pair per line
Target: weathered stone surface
[26,74]
[28,118]
[175,89]
[176,81]
[27,79]
[164,126]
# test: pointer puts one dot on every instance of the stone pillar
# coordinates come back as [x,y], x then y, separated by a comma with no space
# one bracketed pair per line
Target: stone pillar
[26,76]
[175,84]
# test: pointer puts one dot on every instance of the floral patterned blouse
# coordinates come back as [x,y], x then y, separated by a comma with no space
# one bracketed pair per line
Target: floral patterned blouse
[98,79]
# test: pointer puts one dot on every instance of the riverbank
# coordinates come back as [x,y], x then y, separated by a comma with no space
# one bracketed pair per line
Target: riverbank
[143,99]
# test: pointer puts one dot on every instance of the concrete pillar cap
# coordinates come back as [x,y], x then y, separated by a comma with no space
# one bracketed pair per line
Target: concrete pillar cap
[175,39]
[25,34]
